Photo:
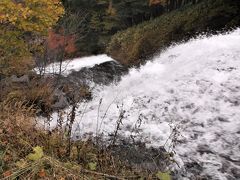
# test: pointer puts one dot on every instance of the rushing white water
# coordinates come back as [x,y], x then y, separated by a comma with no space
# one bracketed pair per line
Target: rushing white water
[75,64]
[193,87]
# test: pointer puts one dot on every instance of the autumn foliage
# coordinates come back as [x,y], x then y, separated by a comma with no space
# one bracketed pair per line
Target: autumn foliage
[57,41]
[31,15]
[22,27]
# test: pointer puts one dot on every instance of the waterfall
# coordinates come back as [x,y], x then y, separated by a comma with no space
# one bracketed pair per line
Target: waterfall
[192,88]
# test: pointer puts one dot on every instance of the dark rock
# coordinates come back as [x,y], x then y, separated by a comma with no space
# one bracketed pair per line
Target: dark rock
[60,100]
[193,168]
[204,149]
[102,74]
[236,172]
[222,119]
[22,79]
[75,86]
[141,157]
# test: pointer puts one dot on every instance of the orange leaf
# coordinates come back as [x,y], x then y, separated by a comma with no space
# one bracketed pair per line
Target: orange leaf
[42,173]
[7,173]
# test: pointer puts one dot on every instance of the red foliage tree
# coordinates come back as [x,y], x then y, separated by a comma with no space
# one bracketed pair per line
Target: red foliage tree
[57,41]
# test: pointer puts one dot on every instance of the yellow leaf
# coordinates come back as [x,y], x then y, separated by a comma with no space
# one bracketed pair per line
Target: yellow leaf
[38,154]
[163,176]
[92,166]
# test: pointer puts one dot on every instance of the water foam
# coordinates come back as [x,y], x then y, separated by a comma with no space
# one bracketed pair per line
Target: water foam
[75,64]
[193,86]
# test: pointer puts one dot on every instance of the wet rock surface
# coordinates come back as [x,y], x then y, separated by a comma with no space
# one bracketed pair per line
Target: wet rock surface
[22,79]
[102,74]
[138,156]
[77,84]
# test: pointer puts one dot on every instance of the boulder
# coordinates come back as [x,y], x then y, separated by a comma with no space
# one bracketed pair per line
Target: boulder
[22,79]
[60,100]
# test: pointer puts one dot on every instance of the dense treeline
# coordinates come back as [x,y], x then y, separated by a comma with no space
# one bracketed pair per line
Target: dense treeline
[175,4]
[106,17]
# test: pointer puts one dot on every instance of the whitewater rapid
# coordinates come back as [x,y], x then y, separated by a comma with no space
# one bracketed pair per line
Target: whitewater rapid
[75,64]
[193,88]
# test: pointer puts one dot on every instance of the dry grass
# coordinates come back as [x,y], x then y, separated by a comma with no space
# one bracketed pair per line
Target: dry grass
[38,94]
[19,136]
[16,132]
[62,158]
